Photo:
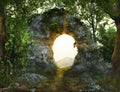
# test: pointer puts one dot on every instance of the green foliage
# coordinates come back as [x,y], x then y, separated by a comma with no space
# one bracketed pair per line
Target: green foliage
[17,45]
[18,42]
[4,80]
[113,84]
[54,12]
[91,15]
[17,48]
[107,39]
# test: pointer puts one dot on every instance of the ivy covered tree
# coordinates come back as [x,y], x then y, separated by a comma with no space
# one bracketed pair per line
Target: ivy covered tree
[14,35]
[112,8]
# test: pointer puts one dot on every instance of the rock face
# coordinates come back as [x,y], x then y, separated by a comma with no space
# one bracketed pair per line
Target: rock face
[44,28]
[40,60]
[31,78]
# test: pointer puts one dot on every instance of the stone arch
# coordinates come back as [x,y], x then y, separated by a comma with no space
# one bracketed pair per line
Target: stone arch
[88,60]
[48,26]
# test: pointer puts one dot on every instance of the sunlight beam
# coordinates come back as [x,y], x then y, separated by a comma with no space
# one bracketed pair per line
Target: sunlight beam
[63,49]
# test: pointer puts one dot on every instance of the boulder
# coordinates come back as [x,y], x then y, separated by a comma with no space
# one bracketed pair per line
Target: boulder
[30,79]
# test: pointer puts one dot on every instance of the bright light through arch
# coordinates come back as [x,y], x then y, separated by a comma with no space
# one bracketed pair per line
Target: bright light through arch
[64,50]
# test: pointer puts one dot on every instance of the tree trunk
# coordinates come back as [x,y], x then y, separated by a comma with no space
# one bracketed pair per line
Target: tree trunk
[116,53]
[2,34]
[3,39]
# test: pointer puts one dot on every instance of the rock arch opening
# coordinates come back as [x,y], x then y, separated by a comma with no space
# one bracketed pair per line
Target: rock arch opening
[64,50]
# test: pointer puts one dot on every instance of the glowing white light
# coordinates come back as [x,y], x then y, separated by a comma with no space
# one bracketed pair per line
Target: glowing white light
[63,47]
